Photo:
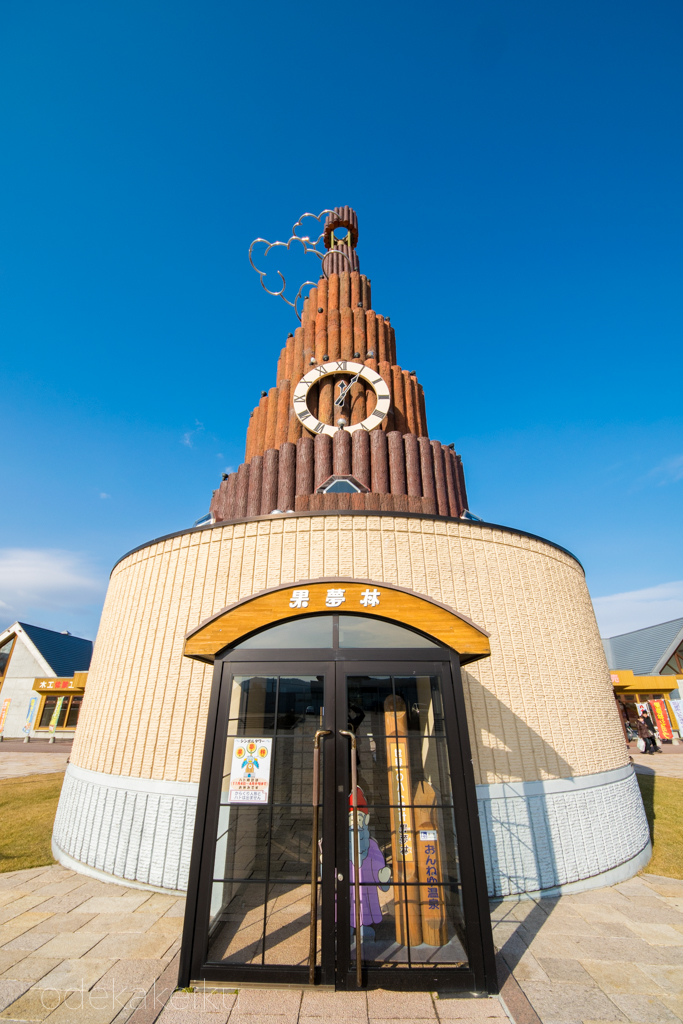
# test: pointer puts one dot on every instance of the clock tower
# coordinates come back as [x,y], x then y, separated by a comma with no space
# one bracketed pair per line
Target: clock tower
[345,656]
[344,426]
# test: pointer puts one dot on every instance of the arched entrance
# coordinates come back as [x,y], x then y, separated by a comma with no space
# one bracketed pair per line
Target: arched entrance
[336,738]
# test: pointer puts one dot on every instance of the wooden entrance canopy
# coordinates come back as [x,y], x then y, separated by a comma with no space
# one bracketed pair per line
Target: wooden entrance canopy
[360,597]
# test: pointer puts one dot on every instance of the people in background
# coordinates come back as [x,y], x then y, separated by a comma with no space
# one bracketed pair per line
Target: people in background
[646,734]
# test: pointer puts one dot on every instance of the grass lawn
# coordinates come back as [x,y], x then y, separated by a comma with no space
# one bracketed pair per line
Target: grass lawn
[663,799]
[27,812]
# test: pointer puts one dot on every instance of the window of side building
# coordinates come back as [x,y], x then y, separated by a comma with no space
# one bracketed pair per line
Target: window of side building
[68,715]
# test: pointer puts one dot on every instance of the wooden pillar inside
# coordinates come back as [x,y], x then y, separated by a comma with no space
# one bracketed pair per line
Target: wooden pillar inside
[403,839]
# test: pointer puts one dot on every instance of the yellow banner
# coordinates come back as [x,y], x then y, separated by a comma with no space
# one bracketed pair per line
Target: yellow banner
[55,714]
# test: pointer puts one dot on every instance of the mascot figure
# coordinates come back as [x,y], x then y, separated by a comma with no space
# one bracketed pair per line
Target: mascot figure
[374,872]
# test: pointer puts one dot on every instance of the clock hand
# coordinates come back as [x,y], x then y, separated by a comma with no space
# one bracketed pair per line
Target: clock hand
[344,389]
[342,395]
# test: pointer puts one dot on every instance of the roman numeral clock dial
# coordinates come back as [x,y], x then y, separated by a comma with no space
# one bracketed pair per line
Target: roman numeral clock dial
[355,371]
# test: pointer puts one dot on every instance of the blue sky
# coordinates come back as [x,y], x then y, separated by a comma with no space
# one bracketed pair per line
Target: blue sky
[516,170]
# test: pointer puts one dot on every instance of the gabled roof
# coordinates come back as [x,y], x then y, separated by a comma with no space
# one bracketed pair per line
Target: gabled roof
[65,654]
[675,647]
[644,651]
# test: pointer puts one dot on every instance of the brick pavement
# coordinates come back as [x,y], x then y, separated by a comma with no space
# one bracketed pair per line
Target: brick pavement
[75,950]
[613,954]
[296,1006]
[658,764]
[37,745]
[13,765]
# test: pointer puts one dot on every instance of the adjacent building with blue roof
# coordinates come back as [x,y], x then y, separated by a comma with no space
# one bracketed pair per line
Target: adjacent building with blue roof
[42,681]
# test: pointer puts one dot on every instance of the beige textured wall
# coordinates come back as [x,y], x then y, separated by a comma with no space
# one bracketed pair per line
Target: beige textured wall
[541,707]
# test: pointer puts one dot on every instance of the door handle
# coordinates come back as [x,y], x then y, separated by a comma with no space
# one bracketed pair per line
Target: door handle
[313,928]
[356,854]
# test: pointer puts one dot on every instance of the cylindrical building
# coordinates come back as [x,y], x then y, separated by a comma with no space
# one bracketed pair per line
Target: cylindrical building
[343,589]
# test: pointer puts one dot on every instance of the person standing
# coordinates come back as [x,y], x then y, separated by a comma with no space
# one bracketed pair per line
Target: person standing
[645,734]
[654,732]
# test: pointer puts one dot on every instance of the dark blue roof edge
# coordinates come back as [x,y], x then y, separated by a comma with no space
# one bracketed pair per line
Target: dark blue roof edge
[64,653]
[66,636]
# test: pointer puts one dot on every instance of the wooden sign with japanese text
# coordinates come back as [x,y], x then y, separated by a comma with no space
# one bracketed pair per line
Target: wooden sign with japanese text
[432,892]
[343,595]
[406,897]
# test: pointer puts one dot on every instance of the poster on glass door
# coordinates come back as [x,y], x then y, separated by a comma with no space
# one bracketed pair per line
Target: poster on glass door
[250,771]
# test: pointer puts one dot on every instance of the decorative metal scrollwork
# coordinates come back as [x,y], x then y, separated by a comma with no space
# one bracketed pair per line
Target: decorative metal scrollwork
[309,246]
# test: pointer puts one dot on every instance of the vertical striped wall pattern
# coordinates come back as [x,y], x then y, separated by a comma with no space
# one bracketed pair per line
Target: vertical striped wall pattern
[134,829]
[127,805]
[536,836]
[542,835]
[144,713]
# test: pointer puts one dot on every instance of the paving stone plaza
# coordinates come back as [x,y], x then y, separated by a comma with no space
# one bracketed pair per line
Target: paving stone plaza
[74,949]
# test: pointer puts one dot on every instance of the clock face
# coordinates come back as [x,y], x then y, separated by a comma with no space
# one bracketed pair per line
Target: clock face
[355,371]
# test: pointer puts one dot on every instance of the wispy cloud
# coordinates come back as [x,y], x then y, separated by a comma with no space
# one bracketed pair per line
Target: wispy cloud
[636,609]
[190,436]
[668,472]
[103,494]
[47,583]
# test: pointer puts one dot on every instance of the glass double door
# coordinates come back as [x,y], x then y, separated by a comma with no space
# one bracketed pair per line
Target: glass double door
[323,775]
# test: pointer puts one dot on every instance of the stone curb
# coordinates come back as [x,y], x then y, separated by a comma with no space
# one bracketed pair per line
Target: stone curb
[515,1003]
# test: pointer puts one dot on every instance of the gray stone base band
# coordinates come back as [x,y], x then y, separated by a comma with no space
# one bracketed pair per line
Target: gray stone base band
[85,869]
[539,837]
[136,830]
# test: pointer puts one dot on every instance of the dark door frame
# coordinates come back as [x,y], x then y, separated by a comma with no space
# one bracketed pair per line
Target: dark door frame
[480,975]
